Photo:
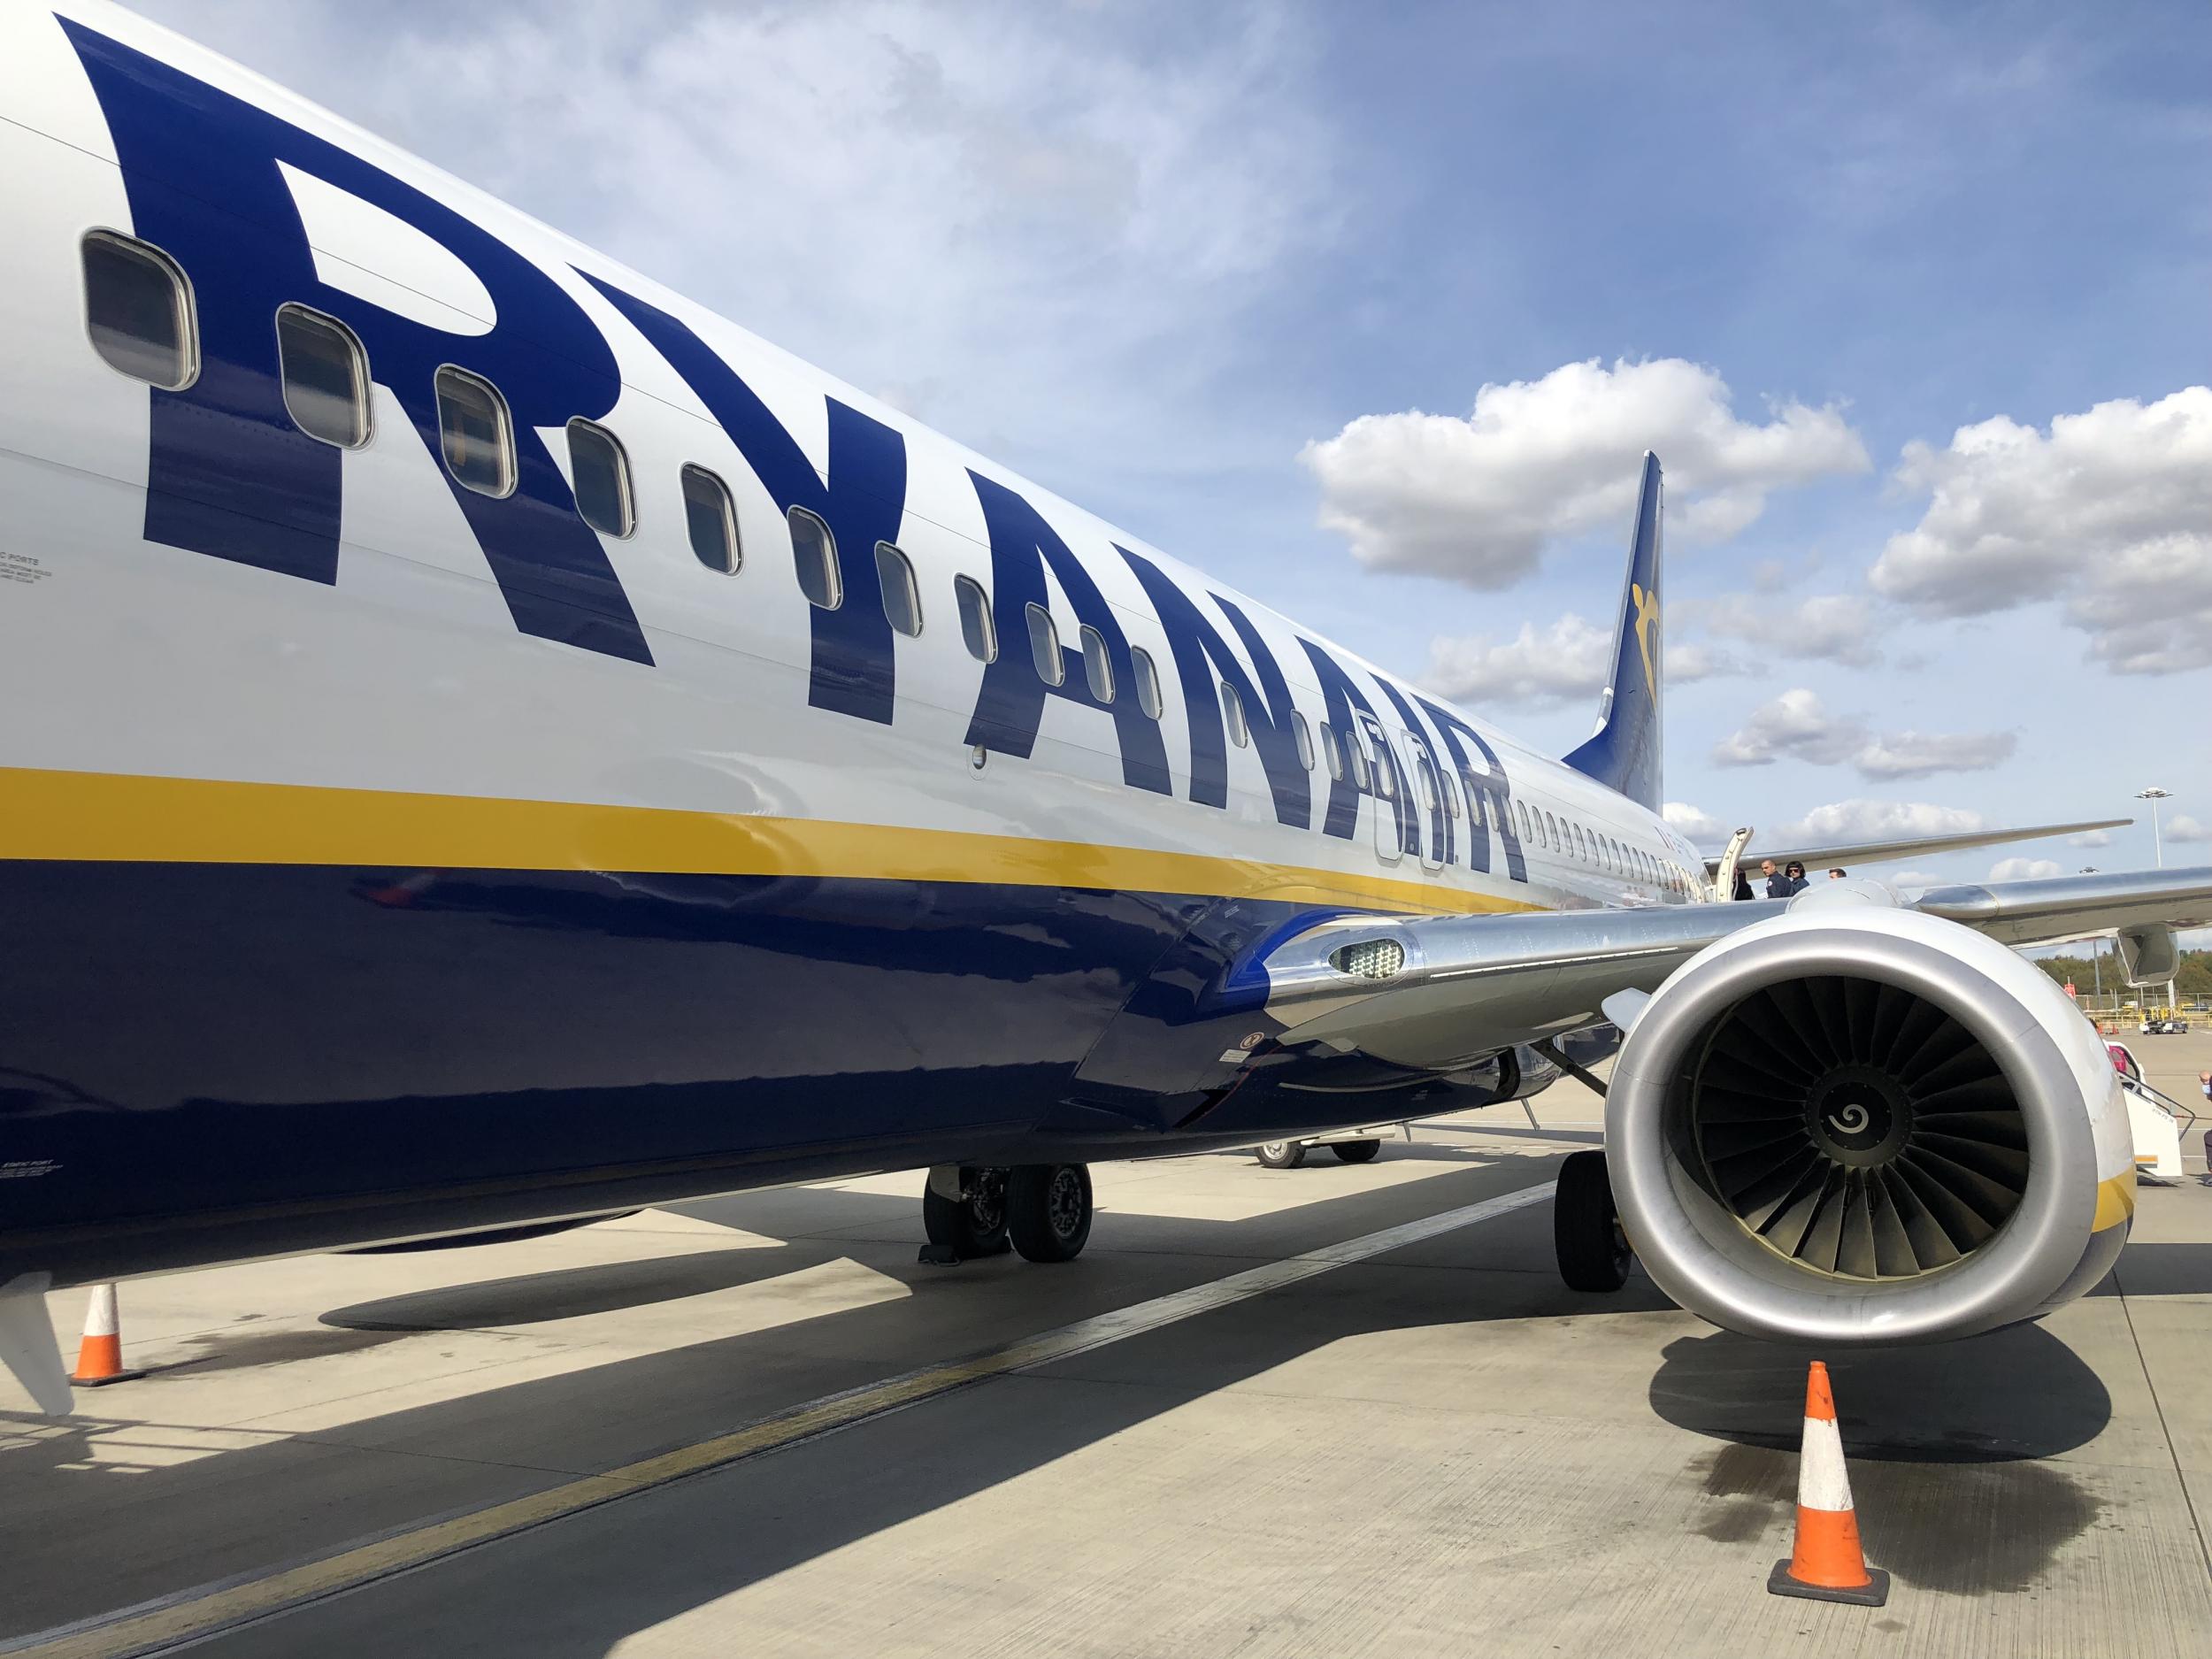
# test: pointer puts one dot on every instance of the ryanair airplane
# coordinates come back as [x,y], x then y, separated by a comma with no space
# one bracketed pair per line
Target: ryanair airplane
[491,744]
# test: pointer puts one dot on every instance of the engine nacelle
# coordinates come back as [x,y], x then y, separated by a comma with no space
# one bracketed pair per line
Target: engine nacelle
[1856,1124]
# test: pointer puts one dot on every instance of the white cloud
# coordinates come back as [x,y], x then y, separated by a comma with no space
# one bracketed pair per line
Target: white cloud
[1701,827]
[2022,868]
[1919,754]
[1478,497]
[1863,820]
[1032,226]
[2182,827]
[1914,880]
[1565,663]
[1796,727]
[1836,627]
[2110,511]
[2091,837]
[1793,725]
[1689,661]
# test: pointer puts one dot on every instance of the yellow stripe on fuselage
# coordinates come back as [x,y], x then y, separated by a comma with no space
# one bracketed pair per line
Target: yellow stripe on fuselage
[84,817]
[2116,1201]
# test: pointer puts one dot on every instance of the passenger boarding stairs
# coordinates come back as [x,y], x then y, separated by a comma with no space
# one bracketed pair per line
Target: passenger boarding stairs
[2158,1122]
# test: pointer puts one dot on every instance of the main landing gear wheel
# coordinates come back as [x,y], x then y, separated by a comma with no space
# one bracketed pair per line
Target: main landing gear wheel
[1585,1229]
[1048,1210]
[972,1225]
[1281,1154]
[1357,1151]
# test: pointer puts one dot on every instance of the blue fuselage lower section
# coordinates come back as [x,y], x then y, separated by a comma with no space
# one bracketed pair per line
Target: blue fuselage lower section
[220,1061]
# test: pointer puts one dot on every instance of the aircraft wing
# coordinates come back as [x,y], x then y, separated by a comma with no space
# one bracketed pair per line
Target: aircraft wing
[2077,907]
[1440,992]
[1817,858]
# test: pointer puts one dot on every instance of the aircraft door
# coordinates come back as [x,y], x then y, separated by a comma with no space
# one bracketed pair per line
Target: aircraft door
[1394,822]
[1430,799]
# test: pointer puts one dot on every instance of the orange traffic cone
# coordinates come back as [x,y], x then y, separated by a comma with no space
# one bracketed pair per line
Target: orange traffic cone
[1826,1563]
[100,1355]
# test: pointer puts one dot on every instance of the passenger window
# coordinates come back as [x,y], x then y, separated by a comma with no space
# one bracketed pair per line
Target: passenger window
[1148,683]
[902,604]
[814,555]
[1233,712]
[1521,808]
[1385,774]
[138,309]
[1303,736]
[1356,755]
[1098,668]
[978,632]
[1551,831]
[1475,814]
[1044,647]
[326,376]
[1330,752]
[602,478]
[711,519]
[474,433]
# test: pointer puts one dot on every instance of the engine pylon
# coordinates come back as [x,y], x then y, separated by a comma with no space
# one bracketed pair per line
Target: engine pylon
[1826,1563]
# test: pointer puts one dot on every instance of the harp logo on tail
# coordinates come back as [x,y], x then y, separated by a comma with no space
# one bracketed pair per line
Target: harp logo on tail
[1647,624]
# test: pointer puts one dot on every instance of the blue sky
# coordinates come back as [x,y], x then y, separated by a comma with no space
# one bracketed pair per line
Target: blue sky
[1161,258]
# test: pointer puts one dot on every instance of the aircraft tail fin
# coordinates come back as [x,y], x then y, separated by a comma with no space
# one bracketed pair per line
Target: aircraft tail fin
[1625,753]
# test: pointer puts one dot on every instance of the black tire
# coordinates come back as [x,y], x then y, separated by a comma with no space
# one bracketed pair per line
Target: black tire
[972,1226]
[1048,1210]
[1585,1229]
[1280,1155]
[1357,1151]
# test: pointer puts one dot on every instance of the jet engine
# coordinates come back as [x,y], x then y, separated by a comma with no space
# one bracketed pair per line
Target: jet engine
[1857,1124]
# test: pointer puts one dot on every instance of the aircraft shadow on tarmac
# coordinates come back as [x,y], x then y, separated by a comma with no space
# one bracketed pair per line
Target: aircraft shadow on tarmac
[716,1534]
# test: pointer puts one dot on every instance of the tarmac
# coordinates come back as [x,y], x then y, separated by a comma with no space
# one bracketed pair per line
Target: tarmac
[1333,1410]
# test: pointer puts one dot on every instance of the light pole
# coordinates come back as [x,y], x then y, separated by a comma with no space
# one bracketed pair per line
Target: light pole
[2154,795]
[2096,948]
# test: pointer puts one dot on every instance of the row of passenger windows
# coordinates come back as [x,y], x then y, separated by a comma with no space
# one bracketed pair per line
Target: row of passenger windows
[1563,835]
[139,312]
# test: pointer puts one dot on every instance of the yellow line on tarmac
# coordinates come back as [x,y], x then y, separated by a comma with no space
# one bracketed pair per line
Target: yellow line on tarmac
[194,1615]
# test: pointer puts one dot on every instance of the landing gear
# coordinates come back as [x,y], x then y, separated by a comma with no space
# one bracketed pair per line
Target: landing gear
[1356,1151]
[1048,1210]
[1280,1155]
[963,1211]
[1585,1229]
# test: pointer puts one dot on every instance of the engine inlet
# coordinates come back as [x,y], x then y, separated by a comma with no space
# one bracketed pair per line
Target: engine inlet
[1857,1129]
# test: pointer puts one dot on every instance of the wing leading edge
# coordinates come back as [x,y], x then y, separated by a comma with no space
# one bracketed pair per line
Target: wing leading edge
[1466,985]
[1817,857]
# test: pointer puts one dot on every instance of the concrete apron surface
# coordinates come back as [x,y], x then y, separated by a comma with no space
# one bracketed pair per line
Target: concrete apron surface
[1329,1410]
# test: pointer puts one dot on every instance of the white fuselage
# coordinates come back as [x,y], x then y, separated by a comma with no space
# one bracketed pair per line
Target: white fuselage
[343,805]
